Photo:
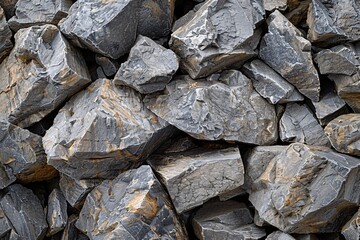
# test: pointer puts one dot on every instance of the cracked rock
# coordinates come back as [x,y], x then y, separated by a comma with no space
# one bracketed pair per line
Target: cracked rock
[142,70]
[187,179]
[299,125]
[344,133]
[226,109]
[5,37]
[285,50]
[42,71]
[56,212]
[220,34]
[278,235]
[102,131]
[132,206]
[351,230]
[308,189]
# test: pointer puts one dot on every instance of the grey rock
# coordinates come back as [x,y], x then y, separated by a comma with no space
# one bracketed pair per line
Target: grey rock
[29,13]
[227,109]
[271,5]
[70,231]
[41,72]
[5,226]
[102,131]
[285,50]
[260,222]
[5,36]
[9,7]
[344,133]
[239,191]
[299,125]
[57,216]
[100,73]
[109,66]
[269,84]
[220,34]
[25,213]
[102,29]
[186,18]
[308,189]
[187,179]
[149,67]
[351,230]
[297,11]
[132,206]
[278,235]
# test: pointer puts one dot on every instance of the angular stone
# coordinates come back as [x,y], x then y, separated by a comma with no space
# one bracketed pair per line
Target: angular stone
[308,189]
[344,133]
[297,11]
[25,213]
[351,230]
[132,206]
[271,5]
[99,25]
[299,125]
[9,7]
[187,179]
[333,21]
[108,66]
[285,50]
[57,216]
[149,67]
[29,13]
[186,18]
[102,131]
[269,84]
[70,231]
[227,109]
[42,71]
[5,226]
[278,235]
[221,34]
[5,37]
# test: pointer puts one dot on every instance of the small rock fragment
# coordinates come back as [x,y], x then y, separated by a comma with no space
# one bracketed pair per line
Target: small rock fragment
[351,230]
[56,212]
[5,36]
[278,235]
[108,66]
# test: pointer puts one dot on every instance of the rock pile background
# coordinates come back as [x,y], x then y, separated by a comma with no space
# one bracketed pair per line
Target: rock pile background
[164,119]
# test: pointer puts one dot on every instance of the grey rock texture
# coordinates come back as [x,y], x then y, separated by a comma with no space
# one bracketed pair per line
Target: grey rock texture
[308,189]
[57,216]
[285,50]
[9,7]
[297,11]
[70,231]
[269,84]
[271,5]
[41,72]
[5,36]
[149,67]
[29,13]
[226,109]
[132,206]
[220,34]
[344,133]
[278,235]
[239,191]
[351,230]
[187,179]
[298,124]
[102,131]
[108,65]
[5,227]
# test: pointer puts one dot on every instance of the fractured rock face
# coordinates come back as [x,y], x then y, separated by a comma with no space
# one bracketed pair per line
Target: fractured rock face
[308,189]
[285,50]
[42,71]
[278,235]
[351,230]
[56,212]
[149,67]
[227,109]
[220,34]
[5,36]
[103,131]
[132,206]
[271,5]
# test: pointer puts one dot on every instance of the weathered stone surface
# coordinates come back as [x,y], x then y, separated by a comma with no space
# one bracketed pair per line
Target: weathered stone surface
[269,84]
[57,216]
[29,13]
[5,226]
[108,66]
[239,191]
[271,5]
[102,131]
[333,21]
[187,179]
[351,230]
[220,34]
[285,50]
[5,36]
[308,189]
[149,67]
[344,133]
[23,210]
[297,11]
[70,231]
[9,7]
[278,235]
[227,109]
[132,206]
[42,71]
[299,125]
[102,29]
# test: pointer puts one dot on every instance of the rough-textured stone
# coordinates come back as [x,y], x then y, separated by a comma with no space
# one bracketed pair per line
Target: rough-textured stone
[239,191]
[351,230]
[285,50]
[149,67]
[132,206]
[70,231]
[227,109]
[57,216]
[187,179]
[5,36]
[297,11]
[269,84]
[278,235]
[220,34]
[344,133]
[271,5]
[333,21]
[308,189]
[9,7]
[299,125]
[102,131]
[29,13]
[108,66]
[42,71]
[25,213]
[5,226]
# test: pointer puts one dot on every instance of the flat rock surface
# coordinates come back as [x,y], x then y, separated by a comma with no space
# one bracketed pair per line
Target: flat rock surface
[5,36]
[278,235]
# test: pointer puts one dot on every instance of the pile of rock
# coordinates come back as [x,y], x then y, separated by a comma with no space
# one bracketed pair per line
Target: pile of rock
[215,119]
